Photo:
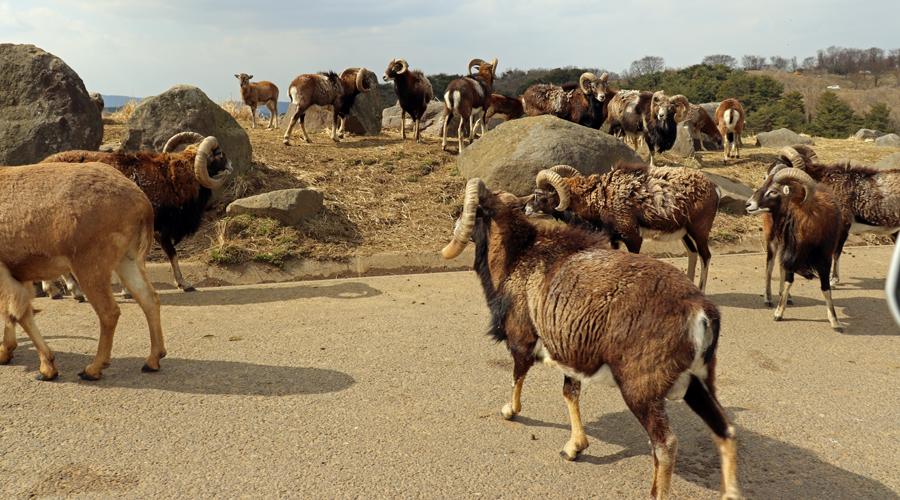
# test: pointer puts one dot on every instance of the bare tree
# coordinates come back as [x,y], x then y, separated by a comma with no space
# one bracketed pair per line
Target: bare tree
[809,63]
[647,65]
[753,62]
[723,59]
[778,62]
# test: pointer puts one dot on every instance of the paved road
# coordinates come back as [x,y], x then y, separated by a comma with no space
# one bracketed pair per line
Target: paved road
[387,387]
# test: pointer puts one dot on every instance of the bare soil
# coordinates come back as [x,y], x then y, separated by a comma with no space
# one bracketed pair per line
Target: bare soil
[387,195]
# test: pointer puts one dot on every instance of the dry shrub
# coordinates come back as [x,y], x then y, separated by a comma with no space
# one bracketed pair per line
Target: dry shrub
[122,114]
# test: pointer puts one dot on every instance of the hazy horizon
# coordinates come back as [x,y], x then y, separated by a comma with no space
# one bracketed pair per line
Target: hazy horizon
[122,47]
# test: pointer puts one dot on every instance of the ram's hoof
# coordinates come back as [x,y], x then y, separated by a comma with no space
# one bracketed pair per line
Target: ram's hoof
[147,369]
[88,377]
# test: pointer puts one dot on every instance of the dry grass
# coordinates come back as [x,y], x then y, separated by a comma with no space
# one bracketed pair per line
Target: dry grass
[240,111]
[386,195]
[122,114]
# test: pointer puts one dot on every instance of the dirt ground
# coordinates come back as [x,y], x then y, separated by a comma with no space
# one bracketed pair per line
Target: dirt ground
[386,195]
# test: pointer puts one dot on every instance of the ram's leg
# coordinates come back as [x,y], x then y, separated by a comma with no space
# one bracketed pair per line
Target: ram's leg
[578,440]
[51,289]
[663,443]
[826,292]
[298,115]
[303,129]
[403,125]
[47,369]
[169,247]
[342,128]
[253,116]
[770,266]
[444,130]
[417,131]
[72,286]
[521,363]
[133,274]
[703,402]
[273,113]
[788,277]
[737,146]
[96,287]
[705,257]
[692,256]
[334,126]
[838,251]
[9,341]
[460,132]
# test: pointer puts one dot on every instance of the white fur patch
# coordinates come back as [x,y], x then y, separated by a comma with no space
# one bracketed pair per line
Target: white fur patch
[656,235]
[858,228]
[698,330]
[293,94]
[603,375]
[731,118]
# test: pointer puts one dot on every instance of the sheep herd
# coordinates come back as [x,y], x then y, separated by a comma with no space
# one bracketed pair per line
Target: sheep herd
[557,293]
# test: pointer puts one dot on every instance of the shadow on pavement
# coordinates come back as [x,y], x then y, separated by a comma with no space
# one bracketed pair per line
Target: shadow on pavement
[767,467]
[193,376]
[276,293]
[861,315]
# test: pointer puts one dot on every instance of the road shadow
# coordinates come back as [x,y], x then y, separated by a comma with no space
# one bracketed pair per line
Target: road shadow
[192,376]
[767,467]
[259,295]
[369,142]
[862,316]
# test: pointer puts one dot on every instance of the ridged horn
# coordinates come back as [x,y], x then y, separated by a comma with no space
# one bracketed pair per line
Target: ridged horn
[794,156]
[361,79]
[494,67]
[466,224]
[681,102]
[404,66]
[181,138]
[549,178]
[800,176]
[475,62]
[565,170]
[589,77]
[201,163]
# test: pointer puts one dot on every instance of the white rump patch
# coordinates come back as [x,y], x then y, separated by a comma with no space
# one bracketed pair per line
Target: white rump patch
[701,337]
[293,94]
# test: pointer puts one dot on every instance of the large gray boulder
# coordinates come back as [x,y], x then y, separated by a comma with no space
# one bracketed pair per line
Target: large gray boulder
[864,134]
[364,119]
[186,108]
[686,146]
[509,157]
[44,107]
[781,138]
[711,108]
[888,162]
[889,140]
[290,206]
[431,122]
[733,194]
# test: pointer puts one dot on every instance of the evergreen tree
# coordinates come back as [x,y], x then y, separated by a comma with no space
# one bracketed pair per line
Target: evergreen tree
[834,117]
[879,118]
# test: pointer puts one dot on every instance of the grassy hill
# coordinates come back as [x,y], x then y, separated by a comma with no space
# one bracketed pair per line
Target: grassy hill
[857,91]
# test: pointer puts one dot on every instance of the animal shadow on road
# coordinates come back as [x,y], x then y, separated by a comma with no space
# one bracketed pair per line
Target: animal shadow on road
[862,316]
[767,467]
[196,376]
[275,293]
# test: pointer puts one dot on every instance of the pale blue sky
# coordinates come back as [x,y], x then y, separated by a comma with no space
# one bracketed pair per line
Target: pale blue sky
[143,47]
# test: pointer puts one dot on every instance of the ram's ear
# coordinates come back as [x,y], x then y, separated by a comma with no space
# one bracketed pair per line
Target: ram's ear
[786,190]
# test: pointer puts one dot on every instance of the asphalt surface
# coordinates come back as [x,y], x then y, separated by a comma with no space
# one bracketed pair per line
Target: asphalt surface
[388,387]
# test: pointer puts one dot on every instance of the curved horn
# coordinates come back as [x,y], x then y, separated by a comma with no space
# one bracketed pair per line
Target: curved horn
[494,66]
[404,66]
[565,170]
[362,79]
[794,156]
[586,76]
[201,162]
[466,224]
[181,138]
[604,77]
[800,176]
[681,102]
[552,179]
[475,62]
